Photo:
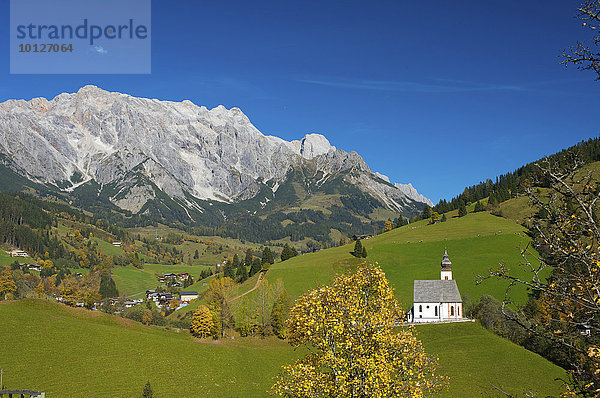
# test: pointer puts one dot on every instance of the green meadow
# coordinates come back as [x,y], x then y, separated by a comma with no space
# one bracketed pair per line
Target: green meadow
[475,243]
[6,259]
[475,360]
[132,281]
[73,352]
[82,353]
[108,248]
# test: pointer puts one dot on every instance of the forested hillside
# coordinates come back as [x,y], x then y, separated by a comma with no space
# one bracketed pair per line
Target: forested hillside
[510,185]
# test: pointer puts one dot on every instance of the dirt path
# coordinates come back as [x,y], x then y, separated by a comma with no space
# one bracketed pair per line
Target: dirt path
[260,276]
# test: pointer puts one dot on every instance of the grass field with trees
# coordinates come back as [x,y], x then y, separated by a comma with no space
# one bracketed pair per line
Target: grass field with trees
[83,353]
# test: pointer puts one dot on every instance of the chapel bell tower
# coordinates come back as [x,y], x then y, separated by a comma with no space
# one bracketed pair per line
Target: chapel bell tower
[446,273]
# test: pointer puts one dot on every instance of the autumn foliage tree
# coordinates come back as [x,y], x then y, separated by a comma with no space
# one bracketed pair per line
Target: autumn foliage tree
[217,298]
[202,322]
[7,284]
[348,328]
[564,270]
[387,226]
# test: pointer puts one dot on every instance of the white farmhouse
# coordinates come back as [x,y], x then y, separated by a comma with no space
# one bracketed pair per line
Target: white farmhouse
[437,300]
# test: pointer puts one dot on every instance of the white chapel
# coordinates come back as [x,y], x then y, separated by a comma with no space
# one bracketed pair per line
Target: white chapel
[437,300]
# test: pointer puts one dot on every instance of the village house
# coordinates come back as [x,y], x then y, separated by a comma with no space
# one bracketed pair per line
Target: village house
[19,253]
[131,303]
[437,300]
[35,267]
[188,296]
[164,298]
[117,244]
[182,276]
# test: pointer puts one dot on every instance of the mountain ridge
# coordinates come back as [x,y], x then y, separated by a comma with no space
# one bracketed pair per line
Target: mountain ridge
[129,148]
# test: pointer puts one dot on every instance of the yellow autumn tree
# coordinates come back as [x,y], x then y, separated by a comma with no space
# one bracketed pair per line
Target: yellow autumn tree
[7,285]
[39,290]
[173,304]
[387,226]
[217,299]
[69,292]
[202,322]
[355,351]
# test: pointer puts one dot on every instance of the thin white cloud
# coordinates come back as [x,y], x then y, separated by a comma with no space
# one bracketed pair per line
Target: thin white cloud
[438,86]
[100,50]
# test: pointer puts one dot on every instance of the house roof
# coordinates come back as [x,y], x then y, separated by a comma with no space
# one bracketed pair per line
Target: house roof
[436,291]
[188,293]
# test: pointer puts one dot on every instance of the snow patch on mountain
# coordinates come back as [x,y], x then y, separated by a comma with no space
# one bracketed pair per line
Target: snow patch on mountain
[412,193]
[406,189]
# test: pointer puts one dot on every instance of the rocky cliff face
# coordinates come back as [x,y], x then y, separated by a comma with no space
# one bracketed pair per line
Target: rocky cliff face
[133,148]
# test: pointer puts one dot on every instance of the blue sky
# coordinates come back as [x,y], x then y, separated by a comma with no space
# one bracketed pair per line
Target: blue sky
[439,94]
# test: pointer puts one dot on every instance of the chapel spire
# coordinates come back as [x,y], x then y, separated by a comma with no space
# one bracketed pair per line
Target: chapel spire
[446,273]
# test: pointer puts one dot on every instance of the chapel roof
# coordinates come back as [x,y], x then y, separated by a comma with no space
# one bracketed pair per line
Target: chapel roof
[436,291]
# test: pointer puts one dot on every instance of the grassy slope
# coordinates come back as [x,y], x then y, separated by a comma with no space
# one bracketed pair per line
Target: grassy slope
[94,354]
[474,359]
[131,280]
[200,287]
[6,259]
[85,353]
[108,248]
[475,243]
[81,353]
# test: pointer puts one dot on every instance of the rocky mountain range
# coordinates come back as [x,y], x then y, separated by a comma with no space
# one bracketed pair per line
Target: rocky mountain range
[139,154]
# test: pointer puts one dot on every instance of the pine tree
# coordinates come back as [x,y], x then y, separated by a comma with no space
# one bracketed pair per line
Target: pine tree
[443,217]
[364,252]
[228,270]
[236,261]
[358,249]
[267,256]
[249,256]
[400,222]
[288,252]
[462,210]
[256,266]
[108,288]
[242,273]
[285,253]
[478,207]
[147,393]
[196,255]
[426,212]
